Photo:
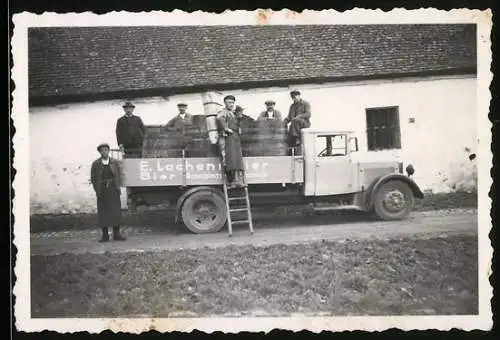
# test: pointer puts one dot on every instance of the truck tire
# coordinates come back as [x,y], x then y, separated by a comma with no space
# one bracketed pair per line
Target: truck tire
[393,201]
[204,212]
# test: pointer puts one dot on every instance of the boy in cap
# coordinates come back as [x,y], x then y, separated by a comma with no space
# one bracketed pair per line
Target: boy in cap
[228,122]
[298,117]
[105,176]
[130,131]
[181,121]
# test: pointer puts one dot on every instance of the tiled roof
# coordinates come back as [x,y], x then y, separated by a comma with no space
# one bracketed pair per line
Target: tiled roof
[89,60]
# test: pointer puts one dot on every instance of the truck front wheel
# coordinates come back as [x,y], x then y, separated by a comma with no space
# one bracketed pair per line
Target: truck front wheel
[203,212]
[393,201]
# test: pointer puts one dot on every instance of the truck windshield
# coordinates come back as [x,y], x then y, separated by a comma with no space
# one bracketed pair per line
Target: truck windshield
[331,145]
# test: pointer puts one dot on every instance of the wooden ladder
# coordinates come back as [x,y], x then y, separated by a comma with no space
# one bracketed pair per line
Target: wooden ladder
[234,195]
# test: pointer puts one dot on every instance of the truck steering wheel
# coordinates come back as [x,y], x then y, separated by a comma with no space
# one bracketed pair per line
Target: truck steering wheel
[325,154]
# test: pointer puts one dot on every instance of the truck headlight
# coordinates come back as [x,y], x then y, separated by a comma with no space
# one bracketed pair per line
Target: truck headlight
[410,170]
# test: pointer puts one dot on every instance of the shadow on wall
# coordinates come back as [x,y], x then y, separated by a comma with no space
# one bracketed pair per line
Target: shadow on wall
[64,189]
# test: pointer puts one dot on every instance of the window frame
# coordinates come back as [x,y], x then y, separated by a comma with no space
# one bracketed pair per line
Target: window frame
[392,136]
[328,138]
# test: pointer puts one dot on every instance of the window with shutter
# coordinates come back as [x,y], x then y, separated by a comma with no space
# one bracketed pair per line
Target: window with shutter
[382,128]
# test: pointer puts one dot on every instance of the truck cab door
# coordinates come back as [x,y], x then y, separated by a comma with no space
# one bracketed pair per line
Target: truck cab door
[333,165]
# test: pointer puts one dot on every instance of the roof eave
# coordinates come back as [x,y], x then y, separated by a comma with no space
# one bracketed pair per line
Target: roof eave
[169,91]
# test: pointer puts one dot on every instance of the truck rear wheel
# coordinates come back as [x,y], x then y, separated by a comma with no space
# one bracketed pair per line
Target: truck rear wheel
[204,211]
[393,200]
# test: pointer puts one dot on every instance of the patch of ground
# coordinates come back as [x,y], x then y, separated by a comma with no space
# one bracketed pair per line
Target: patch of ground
[448,201]
[161,219]
[376,277]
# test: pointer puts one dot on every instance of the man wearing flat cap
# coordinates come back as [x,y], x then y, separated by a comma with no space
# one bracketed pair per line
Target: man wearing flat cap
[130,131]
[228,123]
[181,121]
[298,117]
[271,114]
[105,176]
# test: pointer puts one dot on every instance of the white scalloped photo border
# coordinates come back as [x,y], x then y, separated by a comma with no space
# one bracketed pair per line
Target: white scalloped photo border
[296,322]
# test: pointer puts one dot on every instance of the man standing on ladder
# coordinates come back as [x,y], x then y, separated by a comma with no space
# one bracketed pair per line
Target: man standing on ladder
[228,122]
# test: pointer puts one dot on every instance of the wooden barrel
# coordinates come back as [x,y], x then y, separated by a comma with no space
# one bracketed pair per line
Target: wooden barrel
[154,129]
[200,122]
[247,123]
[193,139]
[258,150]
[159,147]
[263,136]
[256,140]
[159,143]
[199,147]
[260,140]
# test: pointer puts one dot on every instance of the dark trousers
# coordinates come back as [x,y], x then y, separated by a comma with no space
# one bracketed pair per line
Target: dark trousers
[298,124]
[232,159]
[294,135]
[109,206]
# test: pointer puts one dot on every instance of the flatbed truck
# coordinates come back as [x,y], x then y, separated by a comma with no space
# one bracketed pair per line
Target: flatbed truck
[328,172]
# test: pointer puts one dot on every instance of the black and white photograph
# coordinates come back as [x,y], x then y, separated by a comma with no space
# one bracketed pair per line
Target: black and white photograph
[252,170]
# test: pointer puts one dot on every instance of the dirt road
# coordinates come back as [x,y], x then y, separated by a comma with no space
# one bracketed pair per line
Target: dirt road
[420,224]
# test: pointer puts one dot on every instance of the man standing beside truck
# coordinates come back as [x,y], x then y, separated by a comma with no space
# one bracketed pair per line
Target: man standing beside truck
[105,176]
[228,122]
[298,118]
[130,131]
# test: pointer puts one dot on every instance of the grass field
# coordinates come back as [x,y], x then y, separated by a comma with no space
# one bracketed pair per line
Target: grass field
[403,276]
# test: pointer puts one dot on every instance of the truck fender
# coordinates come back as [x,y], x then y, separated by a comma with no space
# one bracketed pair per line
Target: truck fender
[417,192]
[188,193]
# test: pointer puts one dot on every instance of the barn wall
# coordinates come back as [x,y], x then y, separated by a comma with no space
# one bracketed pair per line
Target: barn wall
[63,138]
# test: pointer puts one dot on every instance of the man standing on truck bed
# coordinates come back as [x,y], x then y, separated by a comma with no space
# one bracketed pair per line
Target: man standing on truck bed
[130,131]
[271,115]
[298,117]
[228,122]
[181,121]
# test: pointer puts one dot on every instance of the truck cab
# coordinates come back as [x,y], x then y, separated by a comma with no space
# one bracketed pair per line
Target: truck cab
[329,165]
[334,167]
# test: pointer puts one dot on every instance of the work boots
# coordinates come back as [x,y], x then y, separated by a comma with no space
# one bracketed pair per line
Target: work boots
[117,236]
[105,235]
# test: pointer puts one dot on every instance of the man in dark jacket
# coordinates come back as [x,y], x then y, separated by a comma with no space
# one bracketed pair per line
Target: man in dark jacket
[181,121]
[298,117]
[130,131]
[228,122]
[271,114]
[105,176]
[271,118]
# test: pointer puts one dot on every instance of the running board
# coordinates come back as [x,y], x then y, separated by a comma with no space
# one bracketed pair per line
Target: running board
[335,207]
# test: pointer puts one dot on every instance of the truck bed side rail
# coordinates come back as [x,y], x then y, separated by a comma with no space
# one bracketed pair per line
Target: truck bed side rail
[195,171]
